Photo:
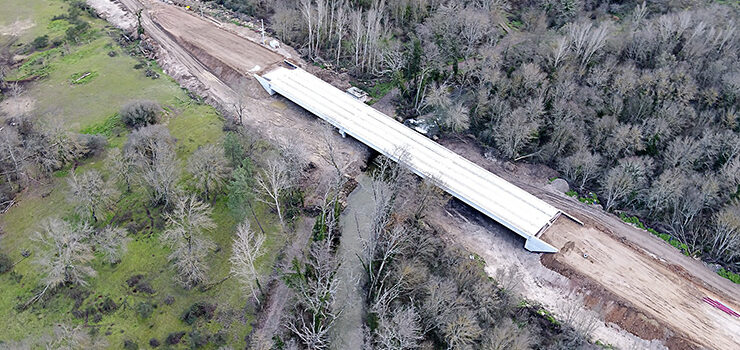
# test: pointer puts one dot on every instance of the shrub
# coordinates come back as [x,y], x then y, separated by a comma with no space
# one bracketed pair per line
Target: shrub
[75,32]
[139,113]
[5,263]
[153,342]
[168,300]
[40,42]
[218,339]
[735,278]
[108,306]
[134,280]
[174,338]
[93,144]
[198,339]
[130,345]
[198,310]
[138,284]
[144,309]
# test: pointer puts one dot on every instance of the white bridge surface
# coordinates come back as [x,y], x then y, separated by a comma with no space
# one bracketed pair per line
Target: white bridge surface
[495,197]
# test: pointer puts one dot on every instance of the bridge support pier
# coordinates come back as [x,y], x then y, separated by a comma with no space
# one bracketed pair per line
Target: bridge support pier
[537,245]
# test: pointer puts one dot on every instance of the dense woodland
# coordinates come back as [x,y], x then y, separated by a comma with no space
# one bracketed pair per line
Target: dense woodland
[635,101]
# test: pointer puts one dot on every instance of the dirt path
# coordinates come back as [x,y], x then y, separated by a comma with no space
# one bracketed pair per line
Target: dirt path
[218,64]
[197,33]
[502,250]
[271,315]
[649,287]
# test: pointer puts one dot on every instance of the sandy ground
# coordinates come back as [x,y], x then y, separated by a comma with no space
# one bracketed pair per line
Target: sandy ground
[230,49]
[644,285]
[503,250]
[16,106]
[649,279]
[114,13]
[656,290]
[218,64]
[17,28]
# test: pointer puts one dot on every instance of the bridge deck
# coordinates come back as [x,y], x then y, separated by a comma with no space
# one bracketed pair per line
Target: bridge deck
[495,197]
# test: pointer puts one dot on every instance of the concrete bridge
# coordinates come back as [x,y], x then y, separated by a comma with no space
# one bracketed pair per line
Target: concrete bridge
[518,210]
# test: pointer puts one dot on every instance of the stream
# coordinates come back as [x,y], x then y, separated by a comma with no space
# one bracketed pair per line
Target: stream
[355,223]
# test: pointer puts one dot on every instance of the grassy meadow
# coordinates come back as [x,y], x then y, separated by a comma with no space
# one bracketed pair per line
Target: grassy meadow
[90,105]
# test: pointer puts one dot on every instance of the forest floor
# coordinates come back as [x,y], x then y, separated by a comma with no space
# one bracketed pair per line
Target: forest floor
[630,272]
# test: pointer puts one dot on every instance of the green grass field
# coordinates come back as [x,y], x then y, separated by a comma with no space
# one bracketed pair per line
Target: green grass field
[32,18]
[91,107]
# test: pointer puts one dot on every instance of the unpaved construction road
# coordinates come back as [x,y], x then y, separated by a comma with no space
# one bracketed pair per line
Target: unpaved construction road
[203,56]
[644,285]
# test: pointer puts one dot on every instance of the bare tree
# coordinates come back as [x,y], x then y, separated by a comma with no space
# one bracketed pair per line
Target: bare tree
[560,52]
[684,214]
[52,146]
[186,226]
[724,239]
[160,176]
[209,168]
[514,131]
[624,180]
[315,282]
[386,240]
[246,250]
[665,190]
[440,300]
[625,140]
[508,279]
[581,167]
[12,157]
[64,253]
[90,194]
[422,198]
[438,97]
[581,319]
[682,152]
[154,154]
[508,336]
[399,330]
[461,329]
[272,182]
[122,167]
[586,41]
[15,89]
[111,242]
[456,118]
[71,338]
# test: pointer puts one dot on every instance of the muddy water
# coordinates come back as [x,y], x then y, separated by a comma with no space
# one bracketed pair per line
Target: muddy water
[355,221]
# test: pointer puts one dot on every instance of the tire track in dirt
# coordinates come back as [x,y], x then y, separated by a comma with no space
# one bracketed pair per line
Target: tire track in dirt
[643,281]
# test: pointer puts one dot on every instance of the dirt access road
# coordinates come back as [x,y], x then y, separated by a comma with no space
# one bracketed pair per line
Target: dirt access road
[209,58]
[647,287]
[642,284]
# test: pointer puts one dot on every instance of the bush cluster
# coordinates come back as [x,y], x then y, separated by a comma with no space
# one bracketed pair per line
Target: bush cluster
[137,114]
